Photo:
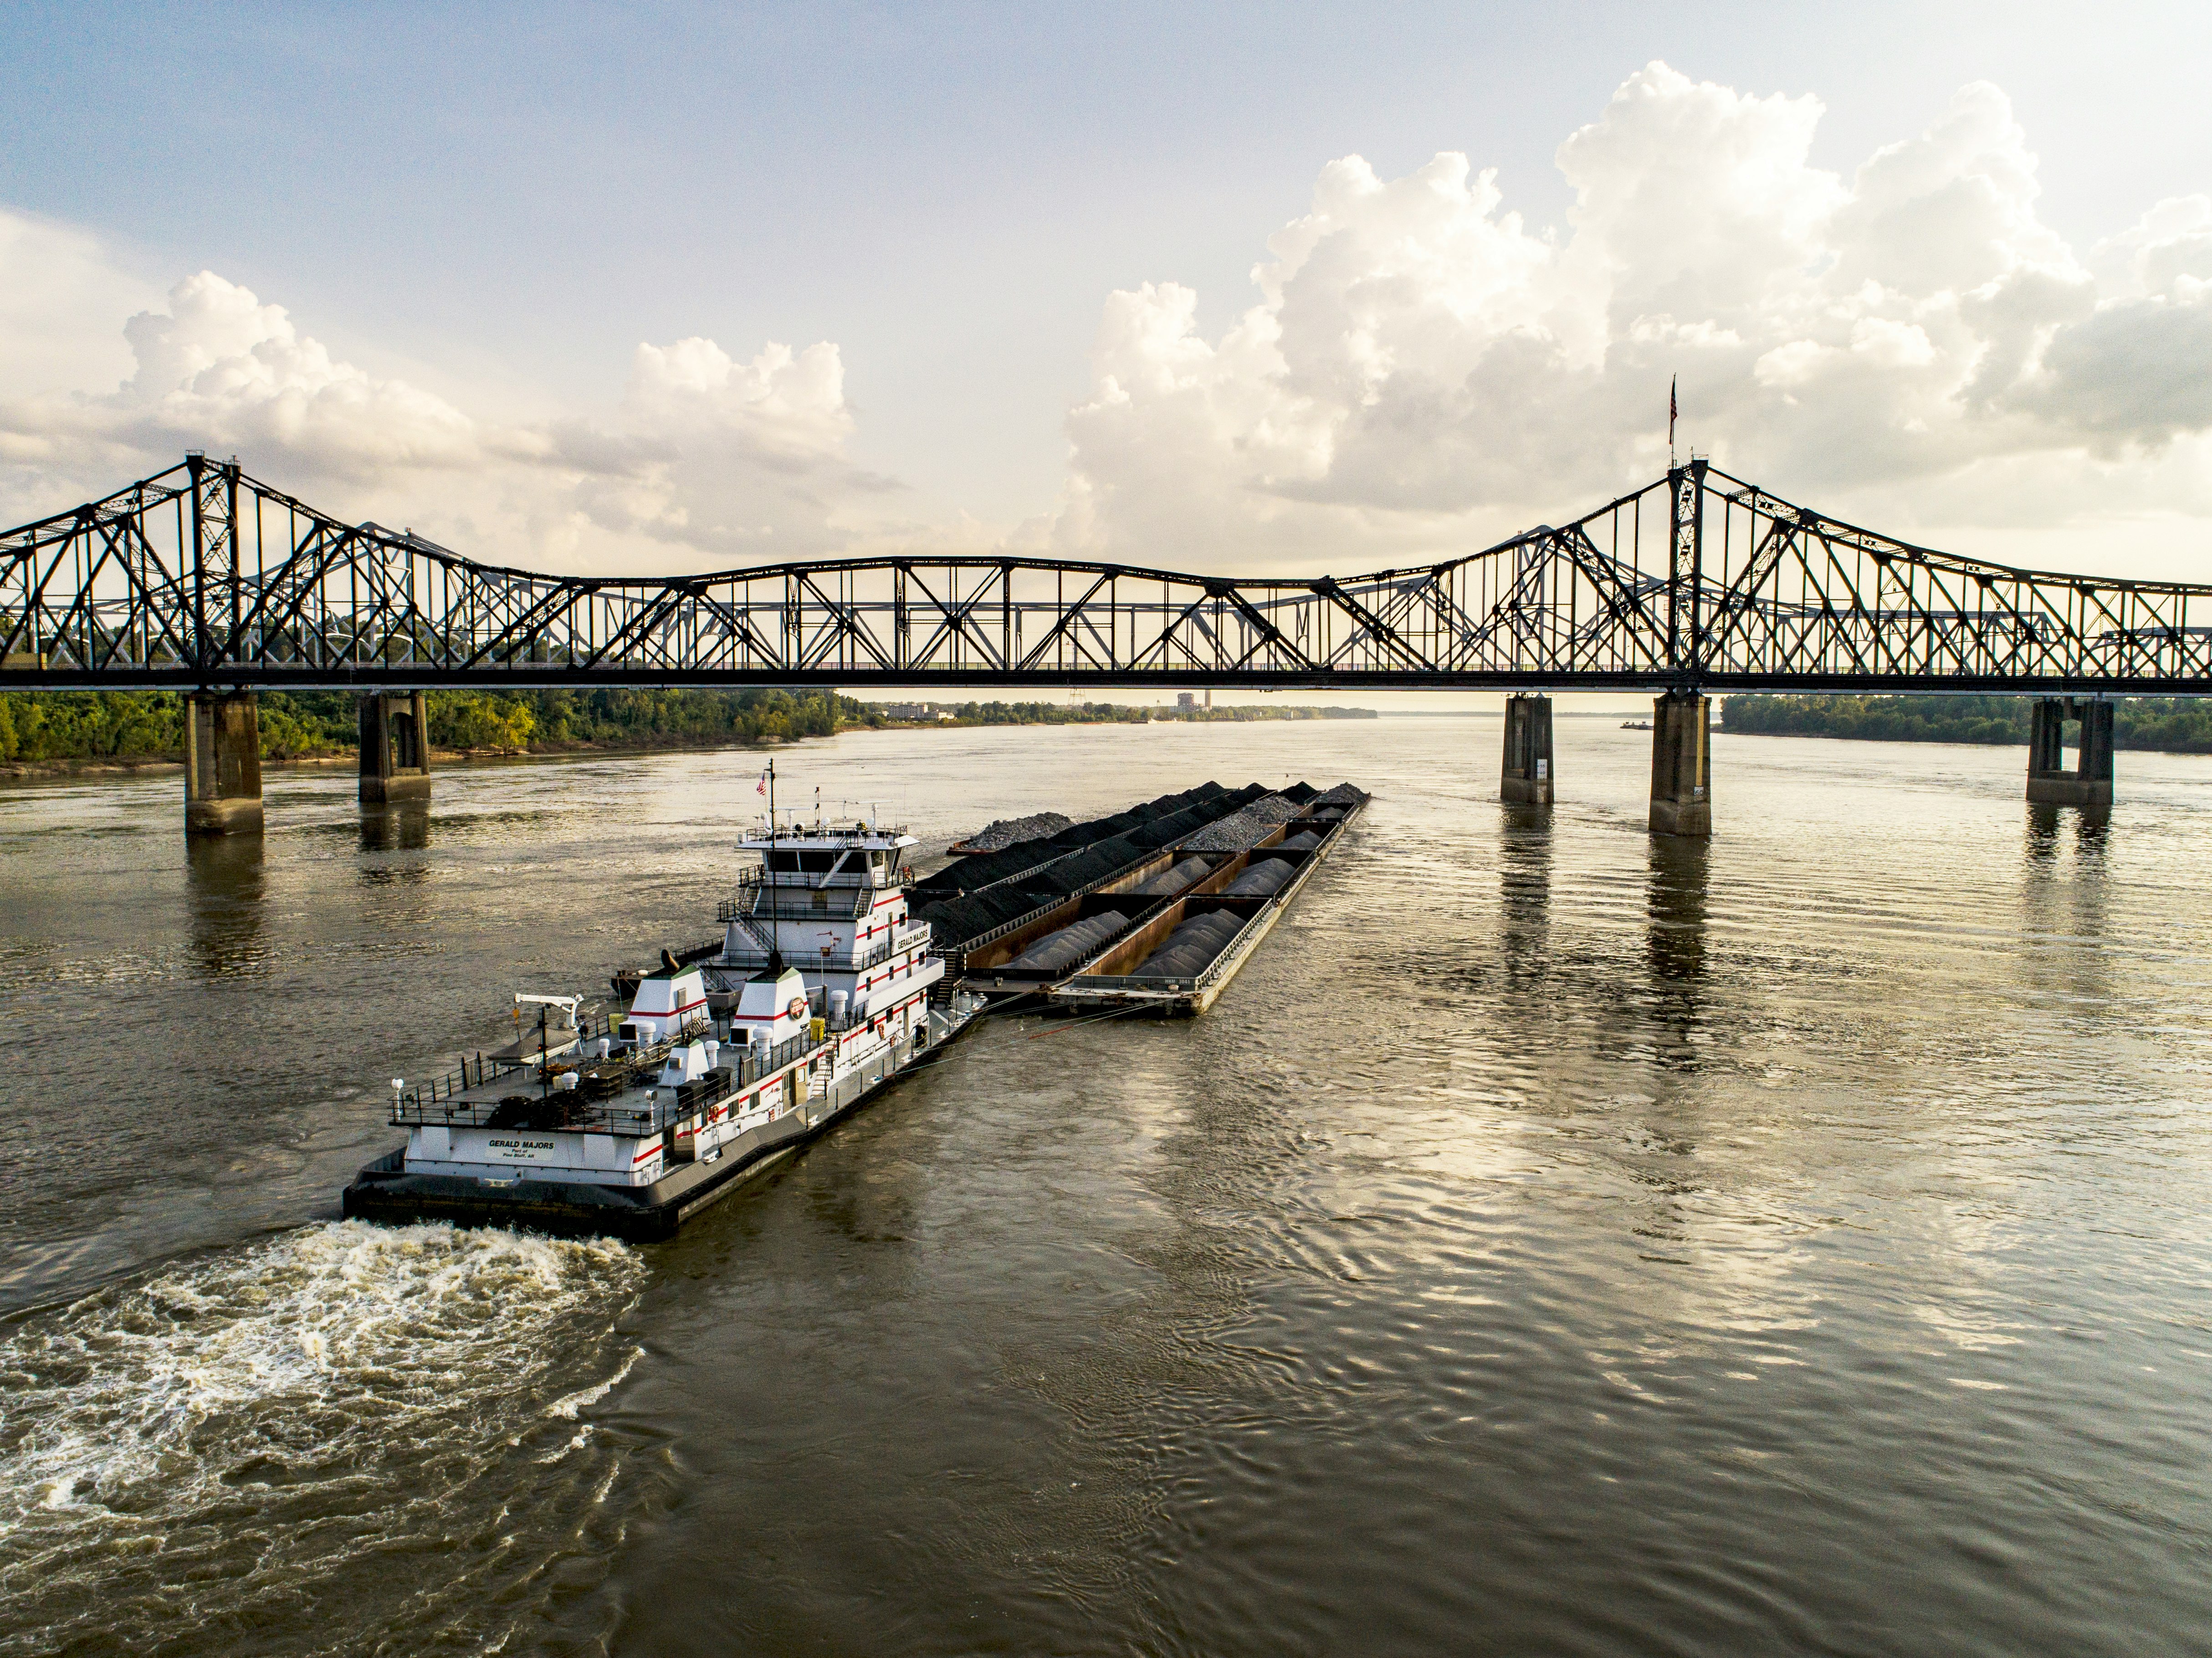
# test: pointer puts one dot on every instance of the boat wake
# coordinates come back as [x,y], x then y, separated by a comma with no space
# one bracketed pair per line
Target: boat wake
[243,1444]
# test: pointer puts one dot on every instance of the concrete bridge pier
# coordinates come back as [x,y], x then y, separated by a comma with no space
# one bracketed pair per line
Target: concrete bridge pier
[223,763]
[2089,783]
[395,748]
[1681,765]
[1528,779]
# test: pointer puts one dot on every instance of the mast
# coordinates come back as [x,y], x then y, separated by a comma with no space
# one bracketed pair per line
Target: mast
[775,931]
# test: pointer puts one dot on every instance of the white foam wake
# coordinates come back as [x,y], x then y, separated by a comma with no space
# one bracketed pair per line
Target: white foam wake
[156,1434]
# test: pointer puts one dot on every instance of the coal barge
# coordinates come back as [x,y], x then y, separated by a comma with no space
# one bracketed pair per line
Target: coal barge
[835,974]
[1153,911]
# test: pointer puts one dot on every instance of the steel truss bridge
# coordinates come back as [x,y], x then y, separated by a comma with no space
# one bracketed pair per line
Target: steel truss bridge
[203,577]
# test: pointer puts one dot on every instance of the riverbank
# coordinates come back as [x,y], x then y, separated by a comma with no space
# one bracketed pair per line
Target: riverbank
[99,764]
[66,733]
[2161,725]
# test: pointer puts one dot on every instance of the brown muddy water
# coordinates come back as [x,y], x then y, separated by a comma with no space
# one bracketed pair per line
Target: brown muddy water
[1555,1241]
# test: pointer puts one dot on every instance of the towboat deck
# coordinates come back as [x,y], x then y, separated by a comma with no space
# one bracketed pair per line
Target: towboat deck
[616,1095]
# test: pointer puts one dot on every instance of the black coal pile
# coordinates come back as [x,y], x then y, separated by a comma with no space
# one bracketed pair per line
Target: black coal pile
[1261,880]
[1172,880]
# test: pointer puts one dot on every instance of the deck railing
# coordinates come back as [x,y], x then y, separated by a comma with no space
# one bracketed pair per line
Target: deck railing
[538,1107]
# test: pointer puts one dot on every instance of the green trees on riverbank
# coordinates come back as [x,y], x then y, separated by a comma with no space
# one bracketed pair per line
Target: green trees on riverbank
[2175,724]
[38,726]
[68,725]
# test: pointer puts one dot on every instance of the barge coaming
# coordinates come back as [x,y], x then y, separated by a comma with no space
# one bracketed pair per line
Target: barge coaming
[1105,982]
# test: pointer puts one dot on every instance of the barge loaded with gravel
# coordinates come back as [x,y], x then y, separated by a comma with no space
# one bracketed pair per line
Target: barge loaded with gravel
[1152,910]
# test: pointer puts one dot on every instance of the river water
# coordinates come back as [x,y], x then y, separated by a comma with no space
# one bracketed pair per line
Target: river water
[1554,1242]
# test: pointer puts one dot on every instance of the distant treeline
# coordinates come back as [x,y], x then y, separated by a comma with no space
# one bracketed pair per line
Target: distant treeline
[150,724]
[1102,713]
[1025,714]
[1269,711]
[41,725]
[2174,723]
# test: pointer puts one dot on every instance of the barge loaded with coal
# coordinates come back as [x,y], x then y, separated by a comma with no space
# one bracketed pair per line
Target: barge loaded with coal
[1152,911]
[835,973]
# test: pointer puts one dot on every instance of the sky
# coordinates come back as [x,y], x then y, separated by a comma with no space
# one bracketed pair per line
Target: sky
[1229,288]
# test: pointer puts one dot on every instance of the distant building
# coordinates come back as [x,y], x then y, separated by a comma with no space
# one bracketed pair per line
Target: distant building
[1185,702]
[916,711]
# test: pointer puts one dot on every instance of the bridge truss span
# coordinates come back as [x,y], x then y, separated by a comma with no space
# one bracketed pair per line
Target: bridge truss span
[203,577]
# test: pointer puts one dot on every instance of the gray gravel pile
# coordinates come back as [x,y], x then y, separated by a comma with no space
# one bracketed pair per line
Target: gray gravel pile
[1191,946]
[1176,879]
[1070,944]
[1247,828]
[1343,795]
[1259,881]
[1013,831]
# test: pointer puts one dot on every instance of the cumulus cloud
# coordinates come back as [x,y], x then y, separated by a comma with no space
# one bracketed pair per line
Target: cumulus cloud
[1418,371]
[706,458]
[1422,370]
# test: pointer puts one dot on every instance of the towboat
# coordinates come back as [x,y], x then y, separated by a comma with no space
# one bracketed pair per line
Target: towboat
[726,1060]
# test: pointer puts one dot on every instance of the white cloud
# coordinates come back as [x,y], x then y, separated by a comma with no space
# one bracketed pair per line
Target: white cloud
[706,459]
[1421,371]
[60,303]
[1417,371]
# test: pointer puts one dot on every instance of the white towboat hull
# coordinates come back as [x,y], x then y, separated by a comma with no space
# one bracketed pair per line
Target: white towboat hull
[386,1190]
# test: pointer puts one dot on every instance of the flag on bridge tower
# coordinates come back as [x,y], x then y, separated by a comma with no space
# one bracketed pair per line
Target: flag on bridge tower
[1673,409]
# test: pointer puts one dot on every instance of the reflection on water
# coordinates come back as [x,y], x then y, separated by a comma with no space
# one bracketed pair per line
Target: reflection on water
[226,874]
[2064,901]
[1524,872]
[1680,868]
[402,826]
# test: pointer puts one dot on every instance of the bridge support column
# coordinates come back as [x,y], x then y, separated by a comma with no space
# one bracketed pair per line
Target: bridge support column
[2090,782]
[1681,765]
[223,763]
[1528,778]
[395,748]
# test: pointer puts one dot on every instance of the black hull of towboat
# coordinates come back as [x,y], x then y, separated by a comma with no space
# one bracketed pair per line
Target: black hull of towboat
[383,1192]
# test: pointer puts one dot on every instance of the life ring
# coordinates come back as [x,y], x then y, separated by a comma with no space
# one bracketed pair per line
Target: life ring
[797,1008]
